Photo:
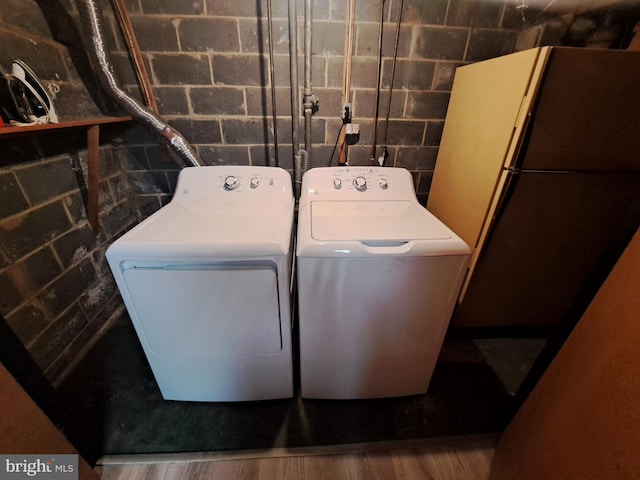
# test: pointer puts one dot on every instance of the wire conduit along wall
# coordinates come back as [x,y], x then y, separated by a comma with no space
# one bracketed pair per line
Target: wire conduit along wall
[93,28]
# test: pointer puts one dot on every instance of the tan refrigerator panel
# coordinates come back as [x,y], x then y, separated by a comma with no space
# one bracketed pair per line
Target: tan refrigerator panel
[584,114]
[535,144]
[485,119]
[546,244]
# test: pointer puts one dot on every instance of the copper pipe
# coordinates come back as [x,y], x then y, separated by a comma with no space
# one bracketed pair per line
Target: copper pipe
[346,76]
[374,139]
[134,50]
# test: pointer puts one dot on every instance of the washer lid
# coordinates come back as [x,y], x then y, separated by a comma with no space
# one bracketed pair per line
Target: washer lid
[374,221]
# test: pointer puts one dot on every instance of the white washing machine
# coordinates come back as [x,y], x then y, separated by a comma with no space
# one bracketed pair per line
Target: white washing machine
[378,276]
[206,283]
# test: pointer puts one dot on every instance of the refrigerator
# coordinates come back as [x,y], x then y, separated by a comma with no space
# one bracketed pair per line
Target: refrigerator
[538,171]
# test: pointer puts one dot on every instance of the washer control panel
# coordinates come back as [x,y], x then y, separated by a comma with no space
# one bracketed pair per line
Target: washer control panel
[359,183]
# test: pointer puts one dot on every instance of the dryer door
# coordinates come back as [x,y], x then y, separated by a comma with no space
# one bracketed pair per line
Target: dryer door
[205,310]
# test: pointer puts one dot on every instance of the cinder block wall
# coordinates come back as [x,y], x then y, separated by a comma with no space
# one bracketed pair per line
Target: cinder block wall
[209,64]
[56,291]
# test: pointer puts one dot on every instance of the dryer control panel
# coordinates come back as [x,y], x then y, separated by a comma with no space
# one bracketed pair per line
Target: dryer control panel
[253,181]
[358,183]
[233,183]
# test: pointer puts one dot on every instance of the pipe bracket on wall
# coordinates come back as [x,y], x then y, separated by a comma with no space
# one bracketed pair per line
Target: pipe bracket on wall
[311,101]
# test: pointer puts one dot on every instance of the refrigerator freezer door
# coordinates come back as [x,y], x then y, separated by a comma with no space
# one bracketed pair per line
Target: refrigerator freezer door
[587,113]
[483,128]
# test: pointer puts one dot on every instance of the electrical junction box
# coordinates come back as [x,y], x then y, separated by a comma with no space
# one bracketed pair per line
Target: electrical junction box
[352,129]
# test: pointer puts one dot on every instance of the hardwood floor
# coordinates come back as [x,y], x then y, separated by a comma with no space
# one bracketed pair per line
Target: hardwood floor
[458,458]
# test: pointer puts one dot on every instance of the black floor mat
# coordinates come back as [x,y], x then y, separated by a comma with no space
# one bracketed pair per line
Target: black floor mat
[115,407]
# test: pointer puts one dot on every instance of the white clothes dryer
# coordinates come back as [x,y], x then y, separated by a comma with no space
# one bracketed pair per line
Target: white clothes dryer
[205,281]
[378,276]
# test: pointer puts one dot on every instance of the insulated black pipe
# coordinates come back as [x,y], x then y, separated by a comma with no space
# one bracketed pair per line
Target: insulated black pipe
[393,74]
[273,85]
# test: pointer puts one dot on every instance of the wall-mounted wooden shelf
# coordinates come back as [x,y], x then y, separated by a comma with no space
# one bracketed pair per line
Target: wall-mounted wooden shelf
[13,130]
[92,126]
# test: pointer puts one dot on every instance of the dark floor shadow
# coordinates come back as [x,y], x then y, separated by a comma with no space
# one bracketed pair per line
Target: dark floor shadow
[118,408]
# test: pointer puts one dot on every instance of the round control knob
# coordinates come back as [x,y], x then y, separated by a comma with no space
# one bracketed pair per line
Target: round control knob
[231,183]
[254,182]
[383,183]
[337,183]
[360,183]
